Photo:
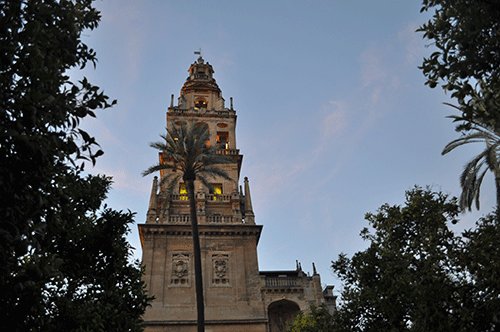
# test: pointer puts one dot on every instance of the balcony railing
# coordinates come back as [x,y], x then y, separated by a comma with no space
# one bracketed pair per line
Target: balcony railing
[209,197]
[179,197]
[281,282]
[218,198]
[231,152]
[201,76]
[192,110]
[213,219]
[220,219]
[179,219]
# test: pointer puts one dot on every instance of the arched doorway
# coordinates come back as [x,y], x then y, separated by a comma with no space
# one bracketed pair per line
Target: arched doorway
[280,314]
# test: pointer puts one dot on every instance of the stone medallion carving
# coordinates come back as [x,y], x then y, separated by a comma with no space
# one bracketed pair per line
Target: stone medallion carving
[220,269]
[180,267]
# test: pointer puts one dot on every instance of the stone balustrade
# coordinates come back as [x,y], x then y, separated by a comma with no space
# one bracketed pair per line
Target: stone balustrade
[219,198]
[209,197]
[282,282]
[211,219]
[220,219]
[179,197]
[230,152]
[223,113]
[179,219]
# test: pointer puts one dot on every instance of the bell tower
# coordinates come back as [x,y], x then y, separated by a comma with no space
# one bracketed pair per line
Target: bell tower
[227,229]
[238,297]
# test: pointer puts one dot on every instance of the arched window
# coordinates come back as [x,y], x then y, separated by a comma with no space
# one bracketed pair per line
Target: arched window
[281,314]
[223,139]
[200,103]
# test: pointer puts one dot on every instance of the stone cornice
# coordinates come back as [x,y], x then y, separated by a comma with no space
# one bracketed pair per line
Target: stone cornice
[226,113]
[207,322]
[204,230]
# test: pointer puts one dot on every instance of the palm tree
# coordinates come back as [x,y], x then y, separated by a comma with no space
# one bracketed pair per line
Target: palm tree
[187,154]
[475,170]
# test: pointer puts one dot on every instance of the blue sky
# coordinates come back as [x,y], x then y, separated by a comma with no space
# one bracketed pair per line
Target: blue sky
[334,119]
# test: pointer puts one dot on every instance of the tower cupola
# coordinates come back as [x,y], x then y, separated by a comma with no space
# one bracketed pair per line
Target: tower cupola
[200,91]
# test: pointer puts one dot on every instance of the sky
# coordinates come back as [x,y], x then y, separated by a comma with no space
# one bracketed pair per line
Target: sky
[334,119]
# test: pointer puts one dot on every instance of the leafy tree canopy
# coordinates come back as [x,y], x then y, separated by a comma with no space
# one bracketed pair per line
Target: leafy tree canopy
[481,257]
[416,275]
[466,34]
[65,261]
[317,320]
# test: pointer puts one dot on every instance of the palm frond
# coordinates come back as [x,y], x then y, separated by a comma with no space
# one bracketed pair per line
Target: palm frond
[215,159]
[215,172]
[157,168]
[477,137]
[185,147]
[172,181]
[205,182]
[471,183]
[491,157]
[474,171]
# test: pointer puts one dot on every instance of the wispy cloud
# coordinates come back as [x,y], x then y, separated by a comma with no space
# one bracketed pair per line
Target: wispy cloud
[306,222]
[273,180]
[129,22]
[373,68]
[384,65]
[114,161]
[331,125]
[122,178]
[104,136]
[412,42]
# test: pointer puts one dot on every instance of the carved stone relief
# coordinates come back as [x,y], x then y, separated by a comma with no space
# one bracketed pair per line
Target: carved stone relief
[180,269]
[220,269]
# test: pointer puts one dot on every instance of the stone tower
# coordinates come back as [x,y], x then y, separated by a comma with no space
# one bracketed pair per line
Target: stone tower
[238,297]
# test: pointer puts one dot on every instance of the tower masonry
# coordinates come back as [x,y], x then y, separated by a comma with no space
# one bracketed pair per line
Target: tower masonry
[238,297]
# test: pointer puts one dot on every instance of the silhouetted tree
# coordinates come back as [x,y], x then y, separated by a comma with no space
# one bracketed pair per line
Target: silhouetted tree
[403,281]
[64,260]
[416,275]
[466,34]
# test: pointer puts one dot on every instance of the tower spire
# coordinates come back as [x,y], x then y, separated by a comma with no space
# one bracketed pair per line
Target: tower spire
[153,201]
[249,216]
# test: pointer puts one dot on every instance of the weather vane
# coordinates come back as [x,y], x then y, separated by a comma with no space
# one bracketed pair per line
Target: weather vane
[198,52]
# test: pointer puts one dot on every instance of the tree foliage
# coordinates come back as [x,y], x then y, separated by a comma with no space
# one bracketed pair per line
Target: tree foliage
[188,157]
[416,275]
[466,34]
[402,281]
[65,261]
[318,319]
[481,257]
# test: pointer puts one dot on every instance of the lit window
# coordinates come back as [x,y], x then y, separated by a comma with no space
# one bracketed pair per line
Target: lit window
[223,139]
[217,191]
[183,192]
[200,103]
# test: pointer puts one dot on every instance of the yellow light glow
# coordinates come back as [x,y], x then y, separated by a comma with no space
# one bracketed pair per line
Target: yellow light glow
[183,192]
[217,191]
